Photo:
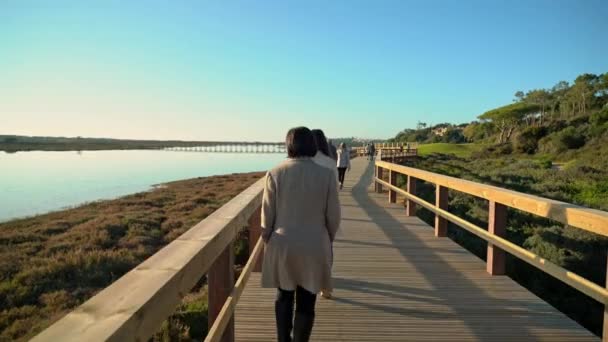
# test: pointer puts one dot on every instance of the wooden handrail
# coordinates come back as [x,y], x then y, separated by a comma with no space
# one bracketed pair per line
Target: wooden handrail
[389,151]
[591,220]
[587,287]
[133,307]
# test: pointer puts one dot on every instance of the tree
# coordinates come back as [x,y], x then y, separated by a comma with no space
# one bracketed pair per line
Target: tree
[507,118]
[10,140]
[454,136]
[421,125]
[582,93]
[477,131]
[540,98]
[602,90]
[519,95]
[558,93]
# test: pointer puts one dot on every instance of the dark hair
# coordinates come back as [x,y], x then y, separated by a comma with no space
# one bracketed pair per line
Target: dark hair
[300,143]
[320,141]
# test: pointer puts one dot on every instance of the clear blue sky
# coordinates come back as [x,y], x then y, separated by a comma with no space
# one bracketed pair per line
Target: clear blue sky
[252,69]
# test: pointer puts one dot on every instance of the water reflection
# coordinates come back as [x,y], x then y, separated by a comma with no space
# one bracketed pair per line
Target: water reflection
[37,182]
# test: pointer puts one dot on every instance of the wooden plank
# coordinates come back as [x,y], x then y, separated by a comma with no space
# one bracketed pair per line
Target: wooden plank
[497,225]
[394,281]
[592,220]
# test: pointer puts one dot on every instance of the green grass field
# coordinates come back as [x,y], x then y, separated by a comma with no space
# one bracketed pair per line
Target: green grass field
[460,150]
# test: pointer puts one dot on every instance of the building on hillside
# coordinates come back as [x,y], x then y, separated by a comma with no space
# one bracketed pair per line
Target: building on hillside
[440,131]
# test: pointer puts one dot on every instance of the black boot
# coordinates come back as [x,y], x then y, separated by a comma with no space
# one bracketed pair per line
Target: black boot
[302,326]
[284,314]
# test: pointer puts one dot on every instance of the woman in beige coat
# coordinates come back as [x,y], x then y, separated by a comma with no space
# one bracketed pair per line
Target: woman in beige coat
[300,218]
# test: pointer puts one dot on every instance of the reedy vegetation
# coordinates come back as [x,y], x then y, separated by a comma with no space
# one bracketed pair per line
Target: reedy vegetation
[51,263]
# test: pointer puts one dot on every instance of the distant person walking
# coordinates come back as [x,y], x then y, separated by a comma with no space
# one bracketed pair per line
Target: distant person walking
[372,151]
[322,158]
[323,155]
[300,218]
[332,150]
[343,163]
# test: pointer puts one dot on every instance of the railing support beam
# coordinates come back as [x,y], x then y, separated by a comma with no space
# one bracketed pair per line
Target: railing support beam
[392,194]
[497,225]
[441,201]
[221,282]
[379,174]
[410,209]
[605,329]
[255,231]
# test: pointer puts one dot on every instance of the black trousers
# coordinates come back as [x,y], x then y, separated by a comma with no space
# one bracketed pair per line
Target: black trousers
[305,312]
[341,172]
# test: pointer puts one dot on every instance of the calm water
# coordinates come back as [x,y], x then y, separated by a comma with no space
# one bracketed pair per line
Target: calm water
[38,182]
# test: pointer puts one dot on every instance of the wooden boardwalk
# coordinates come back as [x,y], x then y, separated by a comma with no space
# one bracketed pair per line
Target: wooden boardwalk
[394,281]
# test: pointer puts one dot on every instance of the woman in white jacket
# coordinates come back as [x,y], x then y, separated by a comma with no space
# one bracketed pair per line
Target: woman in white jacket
[343,163]
[323,154]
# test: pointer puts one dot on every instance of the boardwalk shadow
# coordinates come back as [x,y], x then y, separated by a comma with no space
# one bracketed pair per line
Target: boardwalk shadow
[447,293]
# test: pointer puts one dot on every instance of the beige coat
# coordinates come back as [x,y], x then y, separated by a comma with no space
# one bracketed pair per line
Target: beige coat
[300,218]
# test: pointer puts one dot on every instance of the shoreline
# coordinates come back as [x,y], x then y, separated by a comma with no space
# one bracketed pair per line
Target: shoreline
[152,187]
[71,179]
[23,143]
[51,263]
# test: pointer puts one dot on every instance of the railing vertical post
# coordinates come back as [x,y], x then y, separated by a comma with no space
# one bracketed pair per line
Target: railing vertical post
[441,201]
[221,282]
[497,225]
[411,189]
[255,230]
[605,329]
[379,173]
[392,179]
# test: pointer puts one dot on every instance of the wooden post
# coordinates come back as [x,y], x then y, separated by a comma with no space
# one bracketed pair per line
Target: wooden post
[375,176]
[392,194]
[605,330]
[411,188]
[379,175]
[441,201]
[221,282]
[255,230]
[497,225]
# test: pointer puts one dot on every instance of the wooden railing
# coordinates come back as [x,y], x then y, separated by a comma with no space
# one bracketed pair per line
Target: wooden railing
[133,307]
[591,220]
[397,156]
[401,151]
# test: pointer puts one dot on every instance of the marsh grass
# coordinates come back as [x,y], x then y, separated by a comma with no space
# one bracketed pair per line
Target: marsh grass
[51,263]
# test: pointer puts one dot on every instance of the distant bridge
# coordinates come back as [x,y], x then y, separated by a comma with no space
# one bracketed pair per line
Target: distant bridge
[241,147]
[401,150]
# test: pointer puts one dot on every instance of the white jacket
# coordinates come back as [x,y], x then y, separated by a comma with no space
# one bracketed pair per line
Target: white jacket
[325,161]
[343,158]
